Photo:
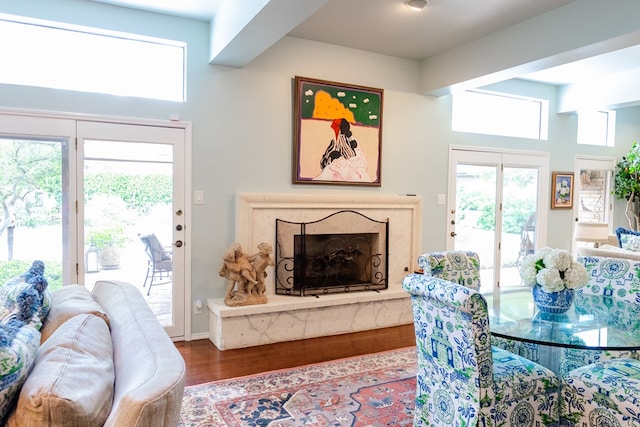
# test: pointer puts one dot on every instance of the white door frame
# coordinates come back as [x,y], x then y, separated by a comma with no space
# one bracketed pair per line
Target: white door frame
[50,124]
[495,156]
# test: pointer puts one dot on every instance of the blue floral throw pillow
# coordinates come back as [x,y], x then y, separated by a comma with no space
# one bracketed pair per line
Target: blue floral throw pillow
[631,243]
[24,302]
[625,236]
[18,349]
[24,293]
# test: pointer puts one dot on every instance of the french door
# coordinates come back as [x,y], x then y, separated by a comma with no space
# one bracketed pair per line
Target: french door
[99,188]
[594,176]
[593,198]
[496,208]
[133,186]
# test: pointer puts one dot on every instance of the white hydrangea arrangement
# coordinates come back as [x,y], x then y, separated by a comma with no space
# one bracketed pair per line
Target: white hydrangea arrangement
[554,270]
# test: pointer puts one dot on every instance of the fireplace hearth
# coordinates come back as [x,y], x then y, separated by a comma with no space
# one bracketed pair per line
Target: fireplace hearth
[342,252]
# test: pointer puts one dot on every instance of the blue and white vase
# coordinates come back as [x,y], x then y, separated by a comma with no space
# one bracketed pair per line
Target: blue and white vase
[552,302]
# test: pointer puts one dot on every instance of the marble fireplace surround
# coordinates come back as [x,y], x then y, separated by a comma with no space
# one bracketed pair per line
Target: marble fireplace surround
[287,318]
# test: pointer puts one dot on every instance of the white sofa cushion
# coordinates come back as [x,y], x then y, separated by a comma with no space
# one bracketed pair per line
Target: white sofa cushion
[609,251]
[72,380]
[67,302]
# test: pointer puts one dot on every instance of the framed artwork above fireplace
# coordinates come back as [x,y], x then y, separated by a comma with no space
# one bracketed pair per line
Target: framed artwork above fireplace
[337,133]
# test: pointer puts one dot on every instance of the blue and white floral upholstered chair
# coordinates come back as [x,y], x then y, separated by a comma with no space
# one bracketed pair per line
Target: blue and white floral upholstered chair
[602,394]
[616,280]
[612,277]
[461,267]
[462,379]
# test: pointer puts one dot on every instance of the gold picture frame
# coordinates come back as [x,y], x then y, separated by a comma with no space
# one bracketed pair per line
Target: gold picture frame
[337,136]
[562,190]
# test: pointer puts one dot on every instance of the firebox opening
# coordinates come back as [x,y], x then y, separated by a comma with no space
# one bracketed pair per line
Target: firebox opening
[341,258]
[310,260]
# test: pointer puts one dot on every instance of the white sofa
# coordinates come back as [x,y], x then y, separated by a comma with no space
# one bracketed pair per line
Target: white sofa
[104,359]
[609,250]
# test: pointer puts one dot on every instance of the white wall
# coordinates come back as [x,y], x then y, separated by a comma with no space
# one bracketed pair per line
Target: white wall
[242,125]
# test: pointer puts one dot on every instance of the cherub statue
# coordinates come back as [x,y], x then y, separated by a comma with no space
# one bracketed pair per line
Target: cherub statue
[245,274]
[238,270]
[260,262]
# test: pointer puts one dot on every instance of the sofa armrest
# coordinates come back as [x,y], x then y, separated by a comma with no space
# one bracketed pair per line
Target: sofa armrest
[150,372]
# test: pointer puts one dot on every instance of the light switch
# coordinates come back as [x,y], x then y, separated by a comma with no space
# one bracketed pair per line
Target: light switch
[441,199]
[198,197]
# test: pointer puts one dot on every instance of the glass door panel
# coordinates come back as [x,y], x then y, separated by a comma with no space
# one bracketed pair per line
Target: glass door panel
[475,215]
[520,199]
[133,213]
[34,221]
[593,200]
[495,210]
[38,191]
[593,195]
[128,195]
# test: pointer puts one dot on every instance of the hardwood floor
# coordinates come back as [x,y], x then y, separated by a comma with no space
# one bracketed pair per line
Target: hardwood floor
[206,363]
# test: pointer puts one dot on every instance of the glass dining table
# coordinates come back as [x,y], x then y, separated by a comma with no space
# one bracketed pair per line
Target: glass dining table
[593,323]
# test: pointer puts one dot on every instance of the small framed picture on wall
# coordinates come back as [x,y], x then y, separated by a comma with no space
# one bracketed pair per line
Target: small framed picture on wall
[562,190]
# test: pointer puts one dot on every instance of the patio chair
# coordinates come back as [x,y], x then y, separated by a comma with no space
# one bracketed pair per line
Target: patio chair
[159,264]
[462,379]
[527,239]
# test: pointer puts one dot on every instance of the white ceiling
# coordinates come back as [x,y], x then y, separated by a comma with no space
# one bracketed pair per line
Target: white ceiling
[390,28]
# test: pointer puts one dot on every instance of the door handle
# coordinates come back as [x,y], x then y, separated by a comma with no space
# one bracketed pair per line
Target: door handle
[178,243]
[453,234]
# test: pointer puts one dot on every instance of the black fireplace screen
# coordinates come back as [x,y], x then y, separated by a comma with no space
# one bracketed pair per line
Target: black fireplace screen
[343,252]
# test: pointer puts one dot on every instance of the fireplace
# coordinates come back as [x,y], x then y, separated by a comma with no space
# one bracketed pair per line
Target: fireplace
[285,318]
[342,252]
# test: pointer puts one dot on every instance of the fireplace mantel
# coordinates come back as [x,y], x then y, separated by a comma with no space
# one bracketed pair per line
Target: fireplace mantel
[286,318]
[256,215]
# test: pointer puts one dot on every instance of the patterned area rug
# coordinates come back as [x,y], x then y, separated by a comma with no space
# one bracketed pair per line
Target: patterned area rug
[373,390]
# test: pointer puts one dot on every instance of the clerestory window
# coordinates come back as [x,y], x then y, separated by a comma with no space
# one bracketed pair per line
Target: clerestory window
[597,128]
[63,56]
[494,113]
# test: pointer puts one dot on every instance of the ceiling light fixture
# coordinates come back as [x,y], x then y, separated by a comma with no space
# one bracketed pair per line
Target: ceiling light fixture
[416,4]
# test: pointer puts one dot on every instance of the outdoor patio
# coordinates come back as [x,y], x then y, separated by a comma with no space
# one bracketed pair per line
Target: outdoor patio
[133,269]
